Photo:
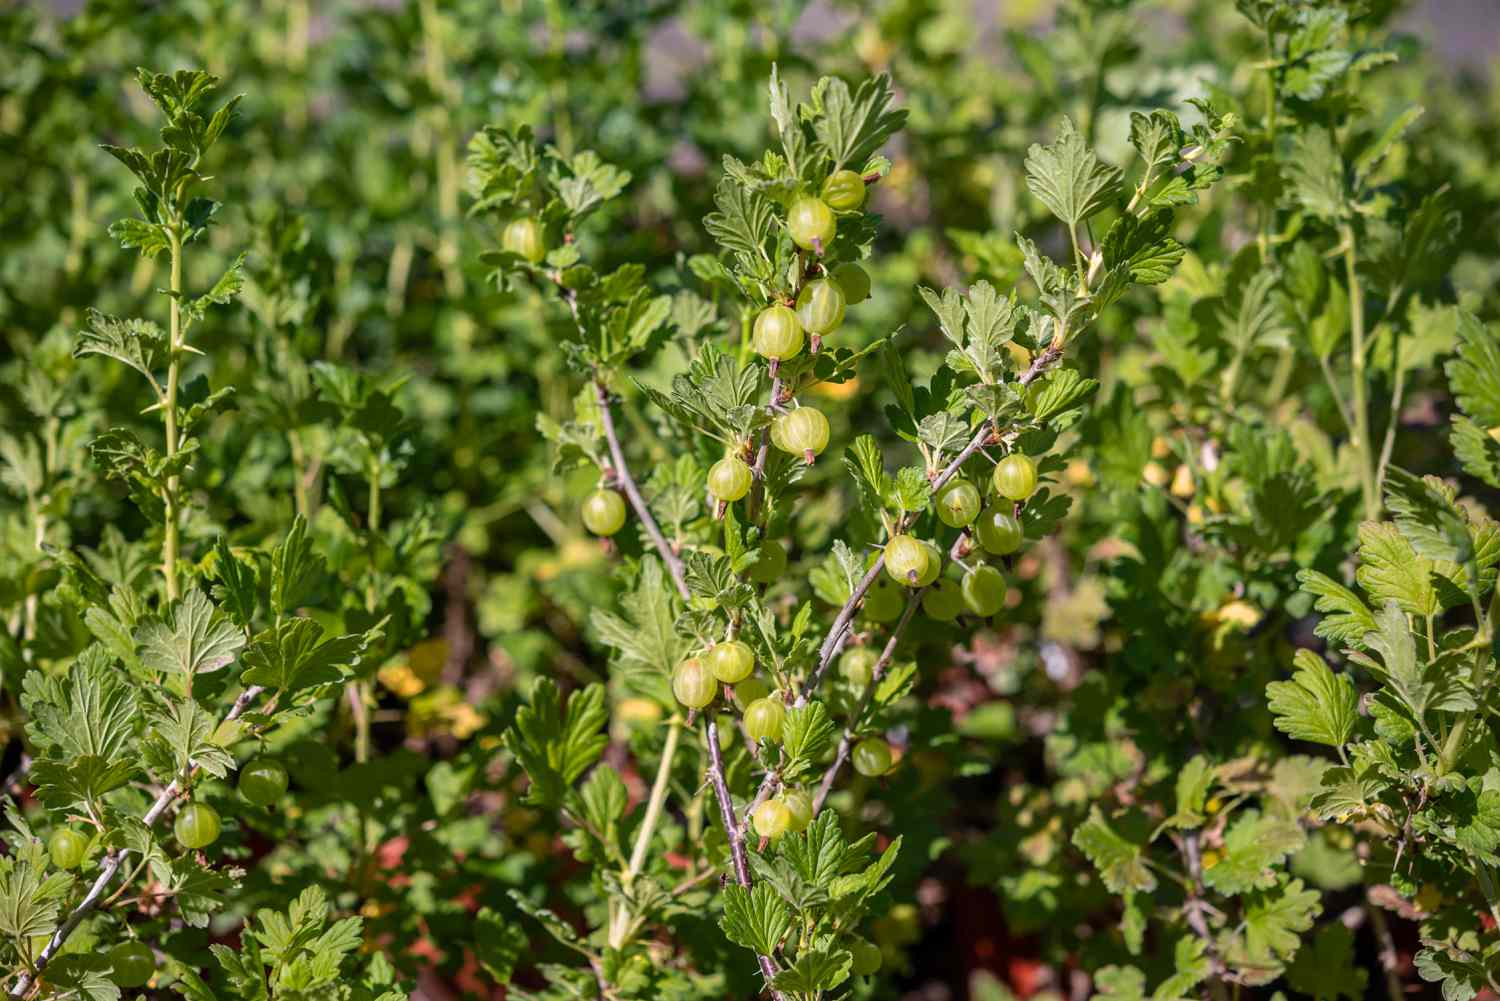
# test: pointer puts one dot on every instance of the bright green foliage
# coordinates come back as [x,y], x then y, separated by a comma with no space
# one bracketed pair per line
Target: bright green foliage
[1148,350]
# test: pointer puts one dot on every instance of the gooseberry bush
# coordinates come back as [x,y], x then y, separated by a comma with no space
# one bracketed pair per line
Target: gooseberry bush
[719,637]
[823,501]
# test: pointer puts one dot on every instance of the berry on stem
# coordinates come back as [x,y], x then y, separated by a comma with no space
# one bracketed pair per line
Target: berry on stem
[131,964]
[883,601]
[731,661]
[800,805]
[853,281]
[998,531]
[263,781]
[771,819]
[844,191]
[693,684]
[196,826]
[906,560]
[729,479]
[603,512]
[958,504]
[525,237]
[984,590]
[872,757]
[750,690]
[1015,477]
[771,563]
[820,307]
[763,718]
[811,223]
[777,334]
[944,601]
[67,848]
[934,564]
[803,431]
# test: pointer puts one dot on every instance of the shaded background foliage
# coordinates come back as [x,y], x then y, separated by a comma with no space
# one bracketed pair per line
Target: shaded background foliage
[346,184]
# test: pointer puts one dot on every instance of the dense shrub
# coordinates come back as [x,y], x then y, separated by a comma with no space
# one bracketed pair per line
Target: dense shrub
[671,501]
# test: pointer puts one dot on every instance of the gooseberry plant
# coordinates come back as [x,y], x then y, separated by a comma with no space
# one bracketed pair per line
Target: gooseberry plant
[730,624]
[160,660]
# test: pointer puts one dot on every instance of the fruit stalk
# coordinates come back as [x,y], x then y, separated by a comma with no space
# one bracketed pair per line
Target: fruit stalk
[111,865]
[846,742]
[732,829]
[654,805]
[633,493]
[169,413]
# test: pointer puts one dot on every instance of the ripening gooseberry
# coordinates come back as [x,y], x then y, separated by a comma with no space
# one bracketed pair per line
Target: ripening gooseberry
[883,601]
[67,848]
[906,559]
[811,223]
[944,601]
[958,504]
[1015,477]
[525,236]
[729,479]
[872,757]
[854,282]
[866,957]
[844,191]
[263,781]
[800,805]
[763,719]
[694,684]
[803,431]
[750,690]
[731,661]
[603,512]
[196,826]
[857,665]
[934,564]
[131,964]
[771,818]
[770,564]
[999,532]
[984,590]
[820,306]
[777,333]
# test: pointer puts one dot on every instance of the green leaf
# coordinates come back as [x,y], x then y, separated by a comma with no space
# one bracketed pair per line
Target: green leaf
[1345,620]
[1121,863]
[139,344]
[850,127]
[556,746]
[644,633]
[1316,705]
[29,900]
[1397,667]
[1068,178]
[1275,919]
[292,655]
[757,919]
[1253,844]
[1474,373]
[1316,172]
[296,571]
[1391,570]
[805,734]
[815,971]
[193,638]
[1060,390]
[498,944]
[187,731]
[1326,969]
